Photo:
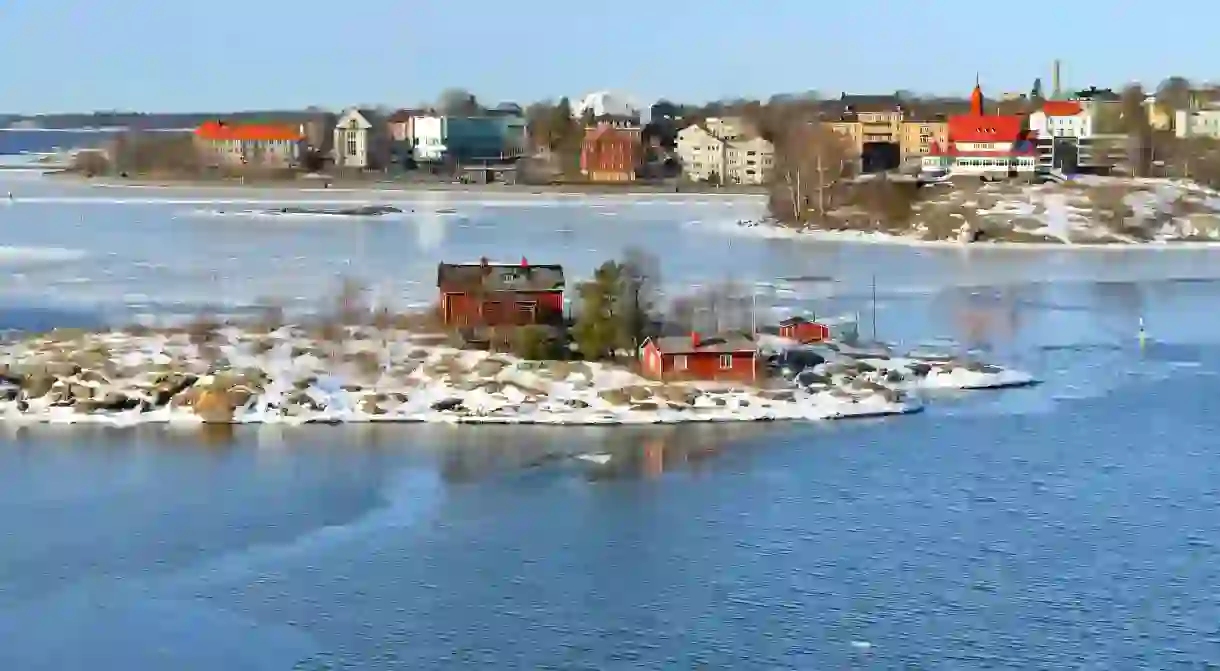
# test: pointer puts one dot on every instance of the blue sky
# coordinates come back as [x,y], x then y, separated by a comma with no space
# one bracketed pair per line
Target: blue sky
[219,55]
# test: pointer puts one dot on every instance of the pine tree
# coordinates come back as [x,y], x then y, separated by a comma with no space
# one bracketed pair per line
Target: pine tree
[599,330]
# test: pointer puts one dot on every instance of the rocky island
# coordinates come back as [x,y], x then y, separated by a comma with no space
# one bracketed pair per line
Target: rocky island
[1083,211]
[299,374]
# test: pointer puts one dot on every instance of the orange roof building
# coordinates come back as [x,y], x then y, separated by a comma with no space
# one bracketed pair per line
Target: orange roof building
[222,131]
[273,145]
[990,146]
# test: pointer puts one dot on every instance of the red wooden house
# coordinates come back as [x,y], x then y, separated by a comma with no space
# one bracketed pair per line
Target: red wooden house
[488,294]
[728,357]
[803,330]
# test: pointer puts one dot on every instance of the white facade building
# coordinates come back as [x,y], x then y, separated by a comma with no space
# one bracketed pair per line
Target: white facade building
[1056,122]
[428,137]
[354,139]
[718,151]
[1197,123]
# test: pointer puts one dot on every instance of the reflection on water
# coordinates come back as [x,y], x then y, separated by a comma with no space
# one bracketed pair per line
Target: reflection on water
[481,452]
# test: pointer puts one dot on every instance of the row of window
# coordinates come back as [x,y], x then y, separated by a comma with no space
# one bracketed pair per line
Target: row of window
[726,362]
[995,162]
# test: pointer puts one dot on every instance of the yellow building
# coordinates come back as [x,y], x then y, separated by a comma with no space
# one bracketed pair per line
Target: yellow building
[914,137]
[918,136]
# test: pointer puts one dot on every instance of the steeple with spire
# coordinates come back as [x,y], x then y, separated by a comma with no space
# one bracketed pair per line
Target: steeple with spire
[976,98]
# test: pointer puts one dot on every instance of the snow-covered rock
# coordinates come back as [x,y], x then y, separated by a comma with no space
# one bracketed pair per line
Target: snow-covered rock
[292,375]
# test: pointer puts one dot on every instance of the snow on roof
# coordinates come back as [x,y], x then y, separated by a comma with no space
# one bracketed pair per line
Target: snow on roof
[607,103]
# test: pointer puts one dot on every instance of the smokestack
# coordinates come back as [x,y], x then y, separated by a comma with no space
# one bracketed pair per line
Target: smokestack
[1056,92]
[694,340]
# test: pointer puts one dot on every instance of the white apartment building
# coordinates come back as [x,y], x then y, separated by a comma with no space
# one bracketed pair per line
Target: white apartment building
[719,151]
[1197,123]
[1068,137]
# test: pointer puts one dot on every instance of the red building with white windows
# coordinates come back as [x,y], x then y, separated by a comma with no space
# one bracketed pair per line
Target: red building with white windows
[492,294]
[694,357]
[990,146]
[611,153]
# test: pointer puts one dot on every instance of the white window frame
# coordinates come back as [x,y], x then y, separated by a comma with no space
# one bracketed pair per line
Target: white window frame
[680,362]
[726,362]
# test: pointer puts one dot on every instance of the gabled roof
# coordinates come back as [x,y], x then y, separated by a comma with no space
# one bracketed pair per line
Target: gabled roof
[491,277]
[1061,108]
[711,344]
[223,131]
[370,116]
[984,128]
[603,132]
[405,114]
[871,103]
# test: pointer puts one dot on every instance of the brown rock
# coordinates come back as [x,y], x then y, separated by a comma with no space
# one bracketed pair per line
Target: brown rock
[614,396]
[676,394]
[489,367]
[638,393]
[371,405]
[37,385]
[61,368]
[80,392]
[90,375]
[216,406]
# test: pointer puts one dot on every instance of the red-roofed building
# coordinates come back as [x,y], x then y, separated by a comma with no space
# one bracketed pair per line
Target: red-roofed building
[990,146]
[267,145]
[1069,137]
[610,153]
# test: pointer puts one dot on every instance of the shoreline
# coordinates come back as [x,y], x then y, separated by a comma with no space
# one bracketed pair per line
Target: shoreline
[340,184]
[778,231]
[293,375]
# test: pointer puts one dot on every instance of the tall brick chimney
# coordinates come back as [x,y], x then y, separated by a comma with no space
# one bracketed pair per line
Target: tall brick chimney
[694,340]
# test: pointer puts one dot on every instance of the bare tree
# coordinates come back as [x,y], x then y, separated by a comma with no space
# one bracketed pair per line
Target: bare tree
[91,162]
[812,165]
[641,281]
[716,308]
[1138,129]
[1174,94]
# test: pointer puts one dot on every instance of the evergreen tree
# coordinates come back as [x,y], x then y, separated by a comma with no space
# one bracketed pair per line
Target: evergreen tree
[599,330]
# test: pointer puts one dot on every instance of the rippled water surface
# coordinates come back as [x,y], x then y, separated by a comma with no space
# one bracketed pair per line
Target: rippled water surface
[1069,525]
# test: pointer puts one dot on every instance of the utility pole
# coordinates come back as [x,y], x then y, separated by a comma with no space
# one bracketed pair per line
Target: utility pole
[874,308]
[821,189]
[754,312]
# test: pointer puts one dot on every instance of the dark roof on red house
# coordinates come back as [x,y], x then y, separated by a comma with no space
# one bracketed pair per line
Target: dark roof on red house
[712,344]
[463,277]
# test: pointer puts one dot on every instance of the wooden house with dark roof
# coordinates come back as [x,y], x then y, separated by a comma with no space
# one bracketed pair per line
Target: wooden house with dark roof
[729,357]
[489,294]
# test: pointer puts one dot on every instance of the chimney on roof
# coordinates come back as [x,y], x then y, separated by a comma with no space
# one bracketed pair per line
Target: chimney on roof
[694,340]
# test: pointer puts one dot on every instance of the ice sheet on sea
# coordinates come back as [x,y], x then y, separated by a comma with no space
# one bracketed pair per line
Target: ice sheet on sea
[23,255]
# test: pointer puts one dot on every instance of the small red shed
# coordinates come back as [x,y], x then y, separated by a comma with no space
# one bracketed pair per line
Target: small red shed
[803,330]
[719,357]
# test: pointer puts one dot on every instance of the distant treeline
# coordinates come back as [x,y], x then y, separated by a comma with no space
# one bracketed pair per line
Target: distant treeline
[142,121]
